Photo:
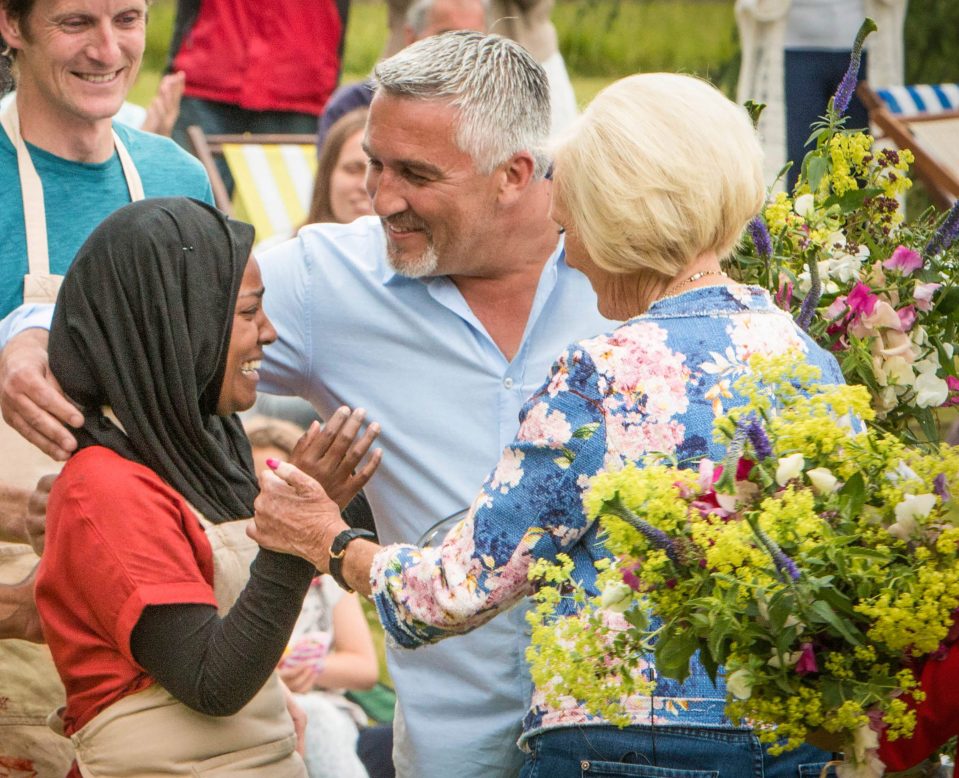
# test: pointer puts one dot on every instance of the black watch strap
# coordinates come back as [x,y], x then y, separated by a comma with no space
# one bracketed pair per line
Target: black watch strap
[338,551]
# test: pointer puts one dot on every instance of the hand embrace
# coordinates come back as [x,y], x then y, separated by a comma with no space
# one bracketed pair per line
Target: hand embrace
[331,453]
[33,403]
[293,515]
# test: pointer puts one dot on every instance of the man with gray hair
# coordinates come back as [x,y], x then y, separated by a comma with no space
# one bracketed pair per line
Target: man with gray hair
[424,18]
[440,318]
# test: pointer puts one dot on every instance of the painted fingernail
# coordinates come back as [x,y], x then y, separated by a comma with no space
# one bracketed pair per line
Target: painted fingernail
[272,463]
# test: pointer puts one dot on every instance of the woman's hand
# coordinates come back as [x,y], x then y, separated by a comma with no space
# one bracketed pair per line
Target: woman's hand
[294,515]
[299,719]
[299,678]
[331,454]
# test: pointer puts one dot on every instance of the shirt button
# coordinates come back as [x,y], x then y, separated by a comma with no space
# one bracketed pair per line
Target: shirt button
[508,383]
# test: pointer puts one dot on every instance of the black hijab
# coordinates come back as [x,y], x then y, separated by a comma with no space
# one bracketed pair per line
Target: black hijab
[142,324]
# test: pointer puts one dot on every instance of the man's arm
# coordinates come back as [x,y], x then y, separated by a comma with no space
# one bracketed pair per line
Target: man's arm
[31,399]
[13,509]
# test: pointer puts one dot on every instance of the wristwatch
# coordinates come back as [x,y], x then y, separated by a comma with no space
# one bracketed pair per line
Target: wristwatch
[338,551]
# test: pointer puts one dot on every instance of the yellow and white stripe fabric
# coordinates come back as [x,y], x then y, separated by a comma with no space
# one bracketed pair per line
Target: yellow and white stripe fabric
[273,184]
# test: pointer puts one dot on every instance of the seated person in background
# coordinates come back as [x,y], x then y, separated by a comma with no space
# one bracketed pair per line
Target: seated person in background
[331,650]
[339,194]
[424,18]
[164,633]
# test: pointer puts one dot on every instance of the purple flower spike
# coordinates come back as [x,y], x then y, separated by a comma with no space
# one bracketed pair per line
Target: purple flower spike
[941,488]
[946,234]
[656,537]
[811,300]
[756,434]
[759,232]
[840,101]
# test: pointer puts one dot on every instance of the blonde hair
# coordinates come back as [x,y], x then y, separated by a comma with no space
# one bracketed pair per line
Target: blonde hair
[660,168]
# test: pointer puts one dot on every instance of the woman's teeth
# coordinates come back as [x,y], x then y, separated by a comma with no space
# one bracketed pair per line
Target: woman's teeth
[251,366]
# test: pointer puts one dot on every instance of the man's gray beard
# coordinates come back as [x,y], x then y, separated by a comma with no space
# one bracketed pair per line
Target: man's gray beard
[424,265]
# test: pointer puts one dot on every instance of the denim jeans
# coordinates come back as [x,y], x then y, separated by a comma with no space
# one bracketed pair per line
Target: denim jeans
[663,752]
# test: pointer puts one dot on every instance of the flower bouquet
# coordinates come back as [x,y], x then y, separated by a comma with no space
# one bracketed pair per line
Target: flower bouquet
[813,567]
[879,292]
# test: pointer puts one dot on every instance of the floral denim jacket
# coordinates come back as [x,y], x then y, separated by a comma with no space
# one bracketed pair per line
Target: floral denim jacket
[654,384]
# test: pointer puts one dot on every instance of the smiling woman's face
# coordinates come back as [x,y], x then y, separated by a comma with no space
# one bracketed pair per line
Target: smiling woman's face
[252,330]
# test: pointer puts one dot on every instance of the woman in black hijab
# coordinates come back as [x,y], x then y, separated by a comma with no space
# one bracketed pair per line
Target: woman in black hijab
[157,336]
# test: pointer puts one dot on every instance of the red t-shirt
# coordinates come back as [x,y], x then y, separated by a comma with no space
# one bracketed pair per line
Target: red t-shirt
[118,539]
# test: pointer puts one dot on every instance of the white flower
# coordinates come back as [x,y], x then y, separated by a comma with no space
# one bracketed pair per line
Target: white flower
[788,468]
[897,371]
[740,683]
[804,205]
[916,506]
[617,597]
[931,391]
[822,480]
[788,659]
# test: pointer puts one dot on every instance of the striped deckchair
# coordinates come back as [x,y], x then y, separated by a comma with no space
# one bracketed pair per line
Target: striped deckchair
[925,119]
[272,178]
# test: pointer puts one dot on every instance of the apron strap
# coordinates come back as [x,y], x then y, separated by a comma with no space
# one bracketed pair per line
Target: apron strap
[34,215]
[34,211]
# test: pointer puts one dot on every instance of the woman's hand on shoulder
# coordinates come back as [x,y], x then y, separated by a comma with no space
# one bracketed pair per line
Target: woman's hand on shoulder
[331,454]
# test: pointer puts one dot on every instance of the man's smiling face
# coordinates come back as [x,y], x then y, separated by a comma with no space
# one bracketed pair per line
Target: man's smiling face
[77,59]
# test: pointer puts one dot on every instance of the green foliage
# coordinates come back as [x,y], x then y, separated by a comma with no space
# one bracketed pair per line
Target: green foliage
[930,41]
[618,37]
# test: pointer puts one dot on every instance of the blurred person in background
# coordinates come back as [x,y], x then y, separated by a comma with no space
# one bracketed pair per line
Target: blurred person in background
[795,53]
[258,67]
[422,19]
[339,193]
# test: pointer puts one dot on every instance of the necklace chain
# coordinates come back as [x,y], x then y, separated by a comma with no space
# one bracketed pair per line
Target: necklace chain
[695,277]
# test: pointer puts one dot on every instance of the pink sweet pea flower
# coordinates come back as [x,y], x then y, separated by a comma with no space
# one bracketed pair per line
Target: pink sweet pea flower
[953,383]
[861,300]
[904,260]
[807,661]
[836,308]
[907,317]
[923,295]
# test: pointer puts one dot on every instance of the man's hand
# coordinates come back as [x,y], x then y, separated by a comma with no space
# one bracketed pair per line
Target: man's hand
[331,454]
[35,521]
[32,401]
[300,678]
[293,515]
[18,611]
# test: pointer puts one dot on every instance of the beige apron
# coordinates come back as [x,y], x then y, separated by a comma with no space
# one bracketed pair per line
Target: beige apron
[29,685]
[151,734]
[23,463]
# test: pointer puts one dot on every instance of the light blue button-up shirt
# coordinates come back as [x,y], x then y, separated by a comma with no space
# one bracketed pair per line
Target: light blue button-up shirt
[415,356]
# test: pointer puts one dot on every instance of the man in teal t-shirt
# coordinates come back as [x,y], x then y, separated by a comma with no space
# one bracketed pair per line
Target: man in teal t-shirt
[79,195]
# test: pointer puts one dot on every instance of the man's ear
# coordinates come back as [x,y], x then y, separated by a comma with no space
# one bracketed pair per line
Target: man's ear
[517,175]
[10,30]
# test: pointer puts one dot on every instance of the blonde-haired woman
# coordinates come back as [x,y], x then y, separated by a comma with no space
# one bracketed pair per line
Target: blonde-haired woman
[653,187]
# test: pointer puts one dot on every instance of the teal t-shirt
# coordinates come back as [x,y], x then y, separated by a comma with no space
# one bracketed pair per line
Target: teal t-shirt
[79,195]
